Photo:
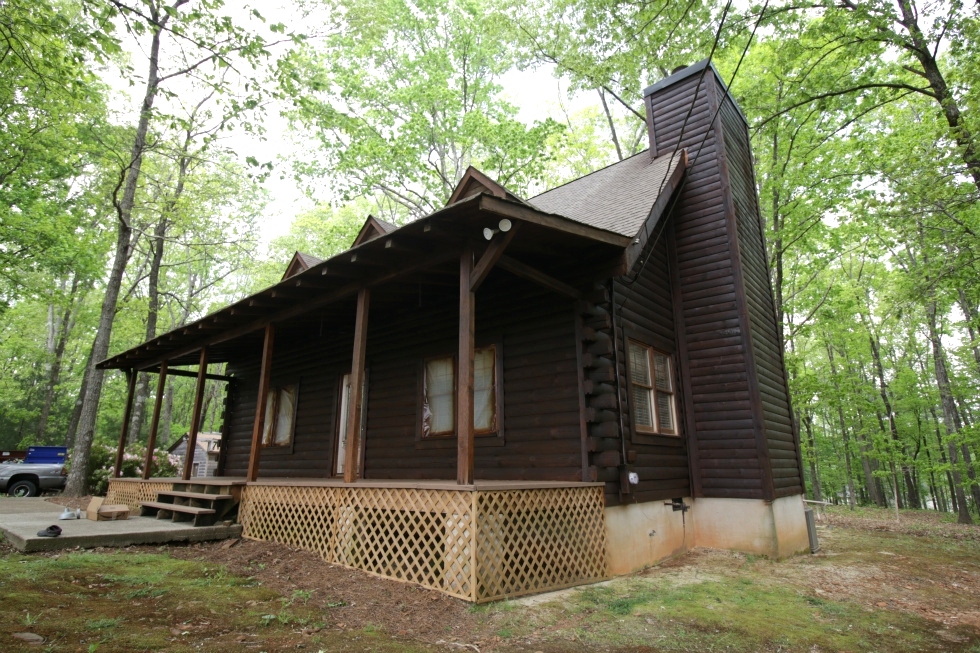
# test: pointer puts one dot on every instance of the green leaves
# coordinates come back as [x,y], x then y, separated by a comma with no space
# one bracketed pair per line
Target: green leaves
[403,97]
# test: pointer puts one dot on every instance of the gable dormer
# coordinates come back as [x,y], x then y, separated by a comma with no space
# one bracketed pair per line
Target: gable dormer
[473,182]
[373,228]
[300,263]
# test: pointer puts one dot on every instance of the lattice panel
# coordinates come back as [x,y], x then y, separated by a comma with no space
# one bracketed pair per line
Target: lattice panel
[538,540]
[298,516]
[420,536]
[132,493]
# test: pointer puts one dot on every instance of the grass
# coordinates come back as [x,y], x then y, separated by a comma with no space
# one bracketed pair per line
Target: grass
[121,602]
[859,595]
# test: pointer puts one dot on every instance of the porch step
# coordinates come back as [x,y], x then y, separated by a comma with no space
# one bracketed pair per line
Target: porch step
[203,504]
[202,496]
[178,513]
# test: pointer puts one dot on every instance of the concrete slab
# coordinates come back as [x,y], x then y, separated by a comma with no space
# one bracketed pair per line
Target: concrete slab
[21,505]
[20,522]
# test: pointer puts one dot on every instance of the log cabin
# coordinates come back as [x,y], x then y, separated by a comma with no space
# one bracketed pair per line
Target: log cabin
[515,395]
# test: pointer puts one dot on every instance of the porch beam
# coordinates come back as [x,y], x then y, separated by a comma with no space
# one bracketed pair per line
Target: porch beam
[464,371]
[537,276]
[491,256]
[194,375]
[265,375]
[151,443]
[202,373]
[127,417]
[293,311]
[355,414]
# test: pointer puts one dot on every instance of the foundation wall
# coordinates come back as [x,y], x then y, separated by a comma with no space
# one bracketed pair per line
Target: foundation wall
[643,534]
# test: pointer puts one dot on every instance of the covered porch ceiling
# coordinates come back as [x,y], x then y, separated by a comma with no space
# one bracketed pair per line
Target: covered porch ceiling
[423,252]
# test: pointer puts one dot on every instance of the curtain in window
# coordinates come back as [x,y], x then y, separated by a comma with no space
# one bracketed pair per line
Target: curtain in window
[484,391]
[284,418]
[439,406]
[268,427]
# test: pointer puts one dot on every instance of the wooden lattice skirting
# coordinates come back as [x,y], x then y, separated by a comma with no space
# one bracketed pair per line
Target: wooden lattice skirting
[132,493]
[478,545]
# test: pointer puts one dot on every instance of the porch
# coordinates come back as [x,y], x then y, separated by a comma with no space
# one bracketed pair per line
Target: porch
[480,542]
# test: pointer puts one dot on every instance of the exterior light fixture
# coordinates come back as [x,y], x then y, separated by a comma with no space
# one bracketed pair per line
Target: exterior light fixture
[502,226]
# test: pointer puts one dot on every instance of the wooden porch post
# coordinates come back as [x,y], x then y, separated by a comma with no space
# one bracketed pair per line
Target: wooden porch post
[355,416]
[155,422]
[464,371]
[202,373]
[127,417]
[265,374]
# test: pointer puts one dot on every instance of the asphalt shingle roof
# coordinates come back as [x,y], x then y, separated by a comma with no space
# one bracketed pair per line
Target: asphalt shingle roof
[617,198]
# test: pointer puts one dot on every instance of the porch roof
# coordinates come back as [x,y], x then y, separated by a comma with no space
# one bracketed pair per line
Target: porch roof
[409,249]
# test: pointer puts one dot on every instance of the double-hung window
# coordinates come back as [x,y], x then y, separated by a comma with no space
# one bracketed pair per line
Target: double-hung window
[652,390]
[439,394]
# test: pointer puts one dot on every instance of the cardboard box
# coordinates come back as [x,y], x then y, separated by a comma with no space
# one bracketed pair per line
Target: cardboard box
[97,511]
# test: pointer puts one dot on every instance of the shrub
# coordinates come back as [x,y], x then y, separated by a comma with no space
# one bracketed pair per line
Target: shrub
[103,457]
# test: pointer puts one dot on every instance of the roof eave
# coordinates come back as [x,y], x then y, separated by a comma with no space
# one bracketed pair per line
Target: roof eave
[657,212]
[136,357]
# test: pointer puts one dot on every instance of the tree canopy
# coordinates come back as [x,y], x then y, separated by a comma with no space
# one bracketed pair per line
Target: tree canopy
[134,184]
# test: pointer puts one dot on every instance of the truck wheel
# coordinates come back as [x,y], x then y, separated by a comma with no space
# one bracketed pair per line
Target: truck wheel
[23,488]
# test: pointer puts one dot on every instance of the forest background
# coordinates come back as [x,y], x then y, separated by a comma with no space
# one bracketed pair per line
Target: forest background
[146,145]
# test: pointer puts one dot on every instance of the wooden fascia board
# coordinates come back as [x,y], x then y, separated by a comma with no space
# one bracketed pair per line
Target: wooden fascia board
[670,185]
[510,209]
[474,175]
[295,311]
[260,300]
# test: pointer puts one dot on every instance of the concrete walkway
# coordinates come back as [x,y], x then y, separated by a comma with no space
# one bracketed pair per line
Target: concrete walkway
[22,518]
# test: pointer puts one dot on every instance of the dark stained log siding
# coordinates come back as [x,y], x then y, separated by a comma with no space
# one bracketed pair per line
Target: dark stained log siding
[718,414]
[535,333]
[645,313]
[767,346]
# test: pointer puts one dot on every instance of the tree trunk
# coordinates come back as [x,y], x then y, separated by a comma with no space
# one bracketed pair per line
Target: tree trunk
[944,460]
[814,467]
[910,488]
[851,498]
[77,484]
[57,351]
[922,51]
[612,125]
[166,415]
[950,416]
[153,311]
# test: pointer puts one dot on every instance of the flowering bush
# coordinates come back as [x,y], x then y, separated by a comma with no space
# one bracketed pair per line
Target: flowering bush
[103,457]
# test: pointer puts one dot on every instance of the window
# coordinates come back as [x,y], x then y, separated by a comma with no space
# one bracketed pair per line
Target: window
[280,414]
[652,390]
[439,394]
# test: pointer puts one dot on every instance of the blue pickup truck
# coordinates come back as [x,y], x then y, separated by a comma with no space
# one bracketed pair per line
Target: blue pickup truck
[42,469]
